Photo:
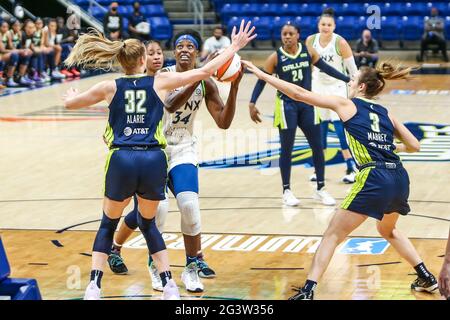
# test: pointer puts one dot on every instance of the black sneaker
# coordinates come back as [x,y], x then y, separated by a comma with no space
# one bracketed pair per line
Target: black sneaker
[302,295]
[429,285]
[204,271]
[116,264]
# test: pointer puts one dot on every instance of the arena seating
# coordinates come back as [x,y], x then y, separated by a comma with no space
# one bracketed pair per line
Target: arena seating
[401,20]
[153,10]
[15,289]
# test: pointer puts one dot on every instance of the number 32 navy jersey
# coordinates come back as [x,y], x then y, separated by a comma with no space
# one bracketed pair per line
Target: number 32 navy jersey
[135,114]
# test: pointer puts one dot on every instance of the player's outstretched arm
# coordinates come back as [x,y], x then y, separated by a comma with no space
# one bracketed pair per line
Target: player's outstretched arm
[167,81]
[409,143]
[176,99]
[101,91]
[222,114]
[342,106]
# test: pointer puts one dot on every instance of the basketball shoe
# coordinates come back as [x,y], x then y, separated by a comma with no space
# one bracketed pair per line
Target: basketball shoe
[302,295]
[191,279]
[154,276]
[170,291]
[323,196]
[116,263]
[421,284]
[92,292]
[204,271]
[349,177]
[289,199]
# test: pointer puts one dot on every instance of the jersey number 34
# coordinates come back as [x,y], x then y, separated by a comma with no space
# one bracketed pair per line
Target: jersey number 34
[135,101]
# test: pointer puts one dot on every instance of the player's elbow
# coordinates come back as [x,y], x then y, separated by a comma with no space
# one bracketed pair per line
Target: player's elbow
[68,105]
[224,126]
[415,146]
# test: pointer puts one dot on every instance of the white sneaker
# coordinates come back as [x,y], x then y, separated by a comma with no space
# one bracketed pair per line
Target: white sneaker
[324,197]
[313,178]
[92,292]
[154,275]
[349,178]
[191,279]
[57,75]
[170,291]
[289,199]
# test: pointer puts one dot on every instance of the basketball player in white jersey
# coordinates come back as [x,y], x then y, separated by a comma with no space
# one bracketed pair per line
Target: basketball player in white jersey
[183,163]
[336,52]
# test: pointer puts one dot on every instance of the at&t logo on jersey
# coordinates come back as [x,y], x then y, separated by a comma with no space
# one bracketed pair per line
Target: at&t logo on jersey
[128,131]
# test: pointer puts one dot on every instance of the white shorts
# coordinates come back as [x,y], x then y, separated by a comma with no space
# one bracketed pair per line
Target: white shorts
[336,89]
[182,153]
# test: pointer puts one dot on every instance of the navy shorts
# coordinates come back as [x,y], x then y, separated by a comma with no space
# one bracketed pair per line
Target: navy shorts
[143,172]
[378,191]
[292,114]
[182,178]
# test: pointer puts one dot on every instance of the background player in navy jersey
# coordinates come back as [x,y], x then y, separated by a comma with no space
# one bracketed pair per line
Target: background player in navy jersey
[382,185]
[293,62]
[134,135]
[182,156]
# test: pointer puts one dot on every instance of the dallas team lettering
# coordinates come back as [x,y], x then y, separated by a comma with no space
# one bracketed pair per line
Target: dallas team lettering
[295,66]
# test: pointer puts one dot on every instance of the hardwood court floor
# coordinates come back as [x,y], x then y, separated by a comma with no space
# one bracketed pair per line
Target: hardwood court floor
[52,176]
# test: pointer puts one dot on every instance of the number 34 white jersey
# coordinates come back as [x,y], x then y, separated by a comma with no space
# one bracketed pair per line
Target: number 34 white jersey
[178,128]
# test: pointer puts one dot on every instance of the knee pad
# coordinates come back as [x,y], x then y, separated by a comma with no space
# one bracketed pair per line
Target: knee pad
[105,234]
[131,219]
[14,59]
[161,214]
[154,239]
[190,213]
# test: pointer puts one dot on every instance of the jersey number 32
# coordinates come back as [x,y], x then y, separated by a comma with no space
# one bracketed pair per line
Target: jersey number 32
[135,101]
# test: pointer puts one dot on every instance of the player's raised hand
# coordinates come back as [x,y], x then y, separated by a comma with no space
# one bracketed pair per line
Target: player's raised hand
[70,93]
[254,113]
[252,68]
[444,280]
[244,36]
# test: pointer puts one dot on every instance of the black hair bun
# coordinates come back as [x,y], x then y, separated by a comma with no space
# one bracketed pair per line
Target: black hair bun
[328,11]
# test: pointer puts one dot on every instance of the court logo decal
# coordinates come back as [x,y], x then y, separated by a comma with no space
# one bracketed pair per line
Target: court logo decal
[364,246]
[421,92]
[434,140]
[266,244]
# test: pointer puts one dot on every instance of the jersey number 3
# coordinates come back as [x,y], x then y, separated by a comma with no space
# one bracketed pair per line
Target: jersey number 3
[375,122]
[135,101]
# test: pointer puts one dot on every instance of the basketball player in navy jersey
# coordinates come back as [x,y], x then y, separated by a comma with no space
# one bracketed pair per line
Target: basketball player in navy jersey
[134,135]
[293,62]
[381,189]
[183,163]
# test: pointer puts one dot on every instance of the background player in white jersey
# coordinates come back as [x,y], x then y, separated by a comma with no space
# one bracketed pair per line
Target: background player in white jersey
[182,156]
[336,52]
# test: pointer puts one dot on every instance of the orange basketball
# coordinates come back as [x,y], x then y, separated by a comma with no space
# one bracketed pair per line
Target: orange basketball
[230,70]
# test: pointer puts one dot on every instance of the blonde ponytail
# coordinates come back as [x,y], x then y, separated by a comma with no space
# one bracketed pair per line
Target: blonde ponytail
[93,50]
[374,79]
[393,72]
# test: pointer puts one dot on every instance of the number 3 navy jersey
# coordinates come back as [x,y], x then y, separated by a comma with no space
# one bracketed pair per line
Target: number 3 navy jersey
[135,114]
[370,133]
[294,68]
